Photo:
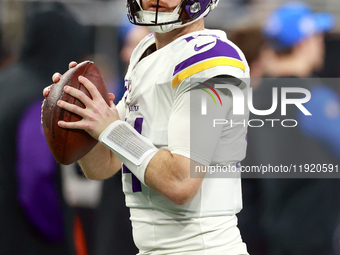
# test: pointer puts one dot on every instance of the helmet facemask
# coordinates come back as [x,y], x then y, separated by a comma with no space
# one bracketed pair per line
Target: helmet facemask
[187,12]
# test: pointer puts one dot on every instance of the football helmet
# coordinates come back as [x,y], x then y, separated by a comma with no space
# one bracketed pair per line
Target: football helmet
[187,12]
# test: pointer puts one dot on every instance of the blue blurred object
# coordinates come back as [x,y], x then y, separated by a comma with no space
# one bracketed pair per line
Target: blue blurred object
[293,22]
[324,124]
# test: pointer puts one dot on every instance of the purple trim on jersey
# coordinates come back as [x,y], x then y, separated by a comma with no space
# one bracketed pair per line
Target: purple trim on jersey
[36,169]
[188,39]
[124,167]
[136,184]
[126,170]
[221,49]
[125,87]
[138,125]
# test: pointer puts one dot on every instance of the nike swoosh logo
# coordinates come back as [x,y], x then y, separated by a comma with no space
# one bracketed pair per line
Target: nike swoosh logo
[198,48]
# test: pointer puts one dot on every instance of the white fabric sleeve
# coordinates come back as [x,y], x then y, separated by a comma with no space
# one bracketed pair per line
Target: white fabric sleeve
[133,149]
[192,134]
[121,109]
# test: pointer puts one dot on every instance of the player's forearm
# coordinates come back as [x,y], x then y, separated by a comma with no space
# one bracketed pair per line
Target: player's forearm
[169,175]
[166,173]
[100,163]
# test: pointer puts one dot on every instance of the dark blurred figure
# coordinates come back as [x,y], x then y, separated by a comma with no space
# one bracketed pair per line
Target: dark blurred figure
[6,57]
[299,216]
[332,59]
[33,216]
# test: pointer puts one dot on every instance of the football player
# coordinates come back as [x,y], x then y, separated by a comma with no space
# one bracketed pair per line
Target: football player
[159,133]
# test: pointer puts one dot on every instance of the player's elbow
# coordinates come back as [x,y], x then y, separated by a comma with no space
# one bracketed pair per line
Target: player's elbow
[182,195]
[181,200]
[183,191]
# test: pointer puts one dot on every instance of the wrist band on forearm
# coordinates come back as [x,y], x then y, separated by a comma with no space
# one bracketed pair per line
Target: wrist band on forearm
[133,149]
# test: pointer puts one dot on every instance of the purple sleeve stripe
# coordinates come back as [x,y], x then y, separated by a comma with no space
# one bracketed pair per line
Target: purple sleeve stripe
[125,170]
[210,63]
[136,184]
[221,49]
[138,125]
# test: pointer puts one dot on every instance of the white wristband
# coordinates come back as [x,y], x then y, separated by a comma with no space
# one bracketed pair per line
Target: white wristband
[133,149]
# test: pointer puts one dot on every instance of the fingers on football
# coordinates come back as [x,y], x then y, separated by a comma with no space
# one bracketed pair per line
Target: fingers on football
[72,108]
[80,95]
[70,125]
[111,98]
[72,64]
[46,91]
[56,77]
[90,87]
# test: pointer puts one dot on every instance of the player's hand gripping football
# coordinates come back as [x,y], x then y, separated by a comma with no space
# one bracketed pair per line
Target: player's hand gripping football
[96,115]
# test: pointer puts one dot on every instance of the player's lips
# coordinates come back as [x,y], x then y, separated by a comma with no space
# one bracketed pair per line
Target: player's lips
[152,6]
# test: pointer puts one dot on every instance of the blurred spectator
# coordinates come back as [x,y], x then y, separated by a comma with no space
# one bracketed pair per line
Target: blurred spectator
[34,217]
[299,50]
[299,216]
[293,32]
[324,124]
[251,42]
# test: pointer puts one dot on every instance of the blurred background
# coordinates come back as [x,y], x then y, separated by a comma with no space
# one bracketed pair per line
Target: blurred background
[105,17]
[46,208]
[107,24]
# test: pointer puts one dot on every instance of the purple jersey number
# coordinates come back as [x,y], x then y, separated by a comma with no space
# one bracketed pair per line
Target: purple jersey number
[136,184]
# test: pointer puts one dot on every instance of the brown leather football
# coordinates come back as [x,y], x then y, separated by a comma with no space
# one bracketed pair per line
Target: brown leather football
[70,145]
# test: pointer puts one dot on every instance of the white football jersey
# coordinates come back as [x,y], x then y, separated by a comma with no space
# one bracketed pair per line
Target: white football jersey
[157,104]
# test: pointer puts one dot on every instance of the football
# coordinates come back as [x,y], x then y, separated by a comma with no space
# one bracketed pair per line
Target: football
[69,145]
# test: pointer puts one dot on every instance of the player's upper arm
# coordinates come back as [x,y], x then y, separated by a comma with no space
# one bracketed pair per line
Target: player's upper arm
[208,57]
[191,132]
